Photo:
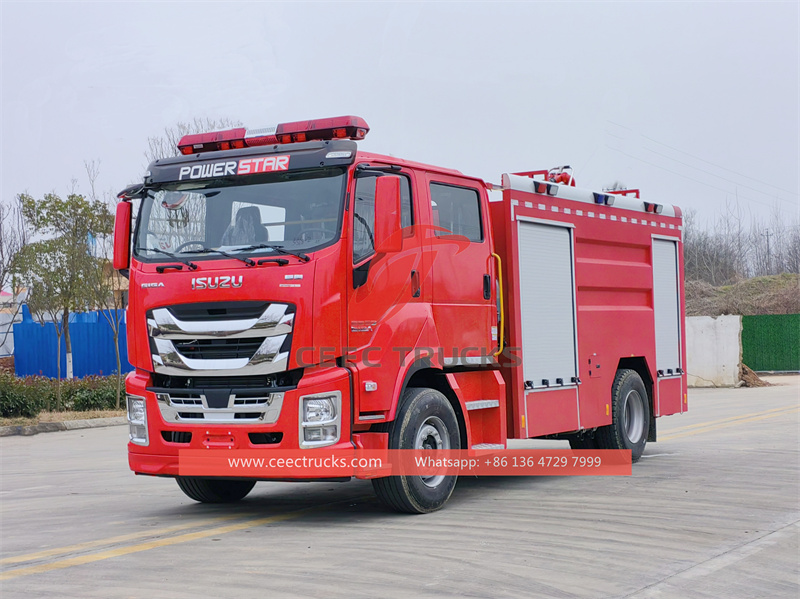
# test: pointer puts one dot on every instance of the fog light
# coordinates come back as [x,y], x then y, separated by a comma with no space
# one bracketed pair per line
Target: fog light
[321,434]
[137,419]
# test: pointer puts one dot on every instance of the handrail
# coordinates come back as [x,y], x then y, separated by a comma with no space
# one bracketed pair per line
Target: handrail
[501,339]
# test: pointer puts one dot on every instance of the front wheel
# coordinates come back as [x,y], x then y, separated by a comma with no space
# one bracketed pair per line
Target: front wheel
[630,409]
[425,420]
[214,490]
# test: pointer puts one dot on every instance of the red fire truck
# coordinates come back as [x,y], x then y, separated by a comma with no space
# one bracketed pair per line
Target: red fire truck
[288,291]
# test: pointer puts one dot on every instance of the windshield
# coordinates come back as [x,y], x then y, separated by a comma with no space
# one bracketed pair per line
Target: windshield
[298,212]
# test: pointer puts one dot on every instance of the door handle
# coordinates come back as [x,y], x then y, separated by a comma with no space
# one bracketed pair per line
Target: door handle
[415,287]
[487,287]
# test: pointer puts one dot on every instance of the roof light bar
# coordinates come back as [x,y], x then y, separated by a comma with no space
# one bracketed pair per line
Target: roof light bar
[214,140]
[653,208]
[342,127]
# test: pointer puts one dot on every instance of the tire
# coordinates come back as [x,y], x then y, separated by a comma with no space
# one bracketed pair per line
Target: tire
[585,441]
[214,490]
[630,410]
[425,420]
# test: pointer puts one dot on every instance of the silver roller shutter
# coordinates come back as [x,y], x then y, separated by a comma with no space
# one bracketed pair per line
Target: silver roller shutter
[546,303]
[665,304]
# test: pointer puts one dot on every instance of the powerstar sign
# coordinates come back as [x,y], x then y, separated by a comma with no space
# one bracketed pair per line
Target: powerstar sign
[245,166]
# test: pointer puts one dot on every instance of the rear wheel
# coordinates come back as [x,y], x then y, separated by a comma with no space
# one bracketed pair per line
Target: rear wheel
[214,490]
[425,420]
[630,409]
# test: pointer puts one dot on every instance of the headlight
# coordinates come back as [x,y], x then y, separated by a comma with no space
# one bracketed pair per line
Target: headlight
[320,417]
[319,409]
[137,419]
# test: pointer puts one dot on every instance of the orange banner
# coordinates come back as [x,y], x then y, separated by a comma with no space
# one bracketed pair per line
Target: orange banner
[322,463]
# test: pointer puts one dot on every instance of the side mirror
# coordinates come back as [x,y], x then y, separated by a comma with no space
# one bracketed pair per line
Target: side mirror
[388,237]
[122,236]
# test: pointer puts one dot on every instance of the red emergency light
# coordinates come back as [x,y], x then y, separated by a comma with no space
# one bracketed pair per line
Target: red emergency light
[342,127]
[214,140]
[653,208]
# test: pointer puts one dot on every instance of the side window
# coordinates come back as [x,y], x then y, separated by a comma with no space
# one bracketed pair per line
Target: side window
[456,209]
[364,215]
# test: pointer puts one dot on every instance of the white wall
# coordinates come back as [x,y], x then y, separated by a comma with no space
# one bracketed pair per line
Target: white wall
[6,322]
[714,350]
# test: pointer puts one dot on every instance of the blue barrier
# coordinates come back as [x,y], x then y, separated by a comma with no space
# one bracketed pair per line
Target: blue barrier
[92,346]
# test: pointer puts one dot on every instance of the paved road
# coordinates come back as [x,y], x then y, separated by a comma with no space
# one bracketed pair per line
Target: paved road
[711,511]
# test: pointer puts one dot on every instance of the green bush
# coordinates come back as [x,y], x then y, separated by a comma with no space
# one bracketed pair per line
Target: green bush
[16,399]
[94,393]
[26,397]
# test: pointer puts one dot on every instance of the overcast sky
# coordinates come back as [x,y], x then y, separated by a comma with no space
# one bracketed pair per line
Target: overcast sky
[695,103]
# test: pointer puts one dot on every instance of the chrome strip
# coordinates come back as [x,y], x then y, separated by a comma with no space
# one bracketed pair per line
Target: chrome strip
[267,359]
[274,321]
[469,360]
[482,404]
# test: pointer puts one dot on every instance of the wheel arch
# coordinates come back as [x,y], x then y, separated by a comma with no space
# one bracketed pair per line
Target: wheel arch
[434,378]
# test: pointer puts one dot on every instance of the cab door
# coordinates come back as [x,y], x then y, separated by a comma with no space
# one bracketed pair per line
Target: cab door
[463,270]
[386,315]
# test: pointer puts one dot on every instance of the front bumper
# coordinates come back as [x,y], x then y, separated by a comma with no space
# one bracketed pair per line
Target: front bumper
[160,457]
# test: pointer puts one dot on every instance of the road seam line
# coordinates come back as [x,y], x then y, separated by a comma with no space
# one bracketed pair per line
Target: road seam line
[669,437]
[29,557]
[732,419]
[184,538]
[747,548]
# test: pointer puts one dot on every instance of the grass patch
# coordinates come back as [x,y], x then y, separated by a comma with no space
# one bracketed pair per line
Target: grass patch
[61,417]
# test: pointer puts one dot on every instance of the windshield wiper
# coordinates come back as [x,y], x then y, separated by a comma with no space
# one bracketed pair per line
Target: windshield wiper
[189,263]
[277,248]
[244,259]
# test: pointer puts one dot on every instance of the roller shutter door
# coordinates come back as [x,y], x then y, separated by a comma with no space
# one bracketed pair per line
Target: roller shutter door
[547,303]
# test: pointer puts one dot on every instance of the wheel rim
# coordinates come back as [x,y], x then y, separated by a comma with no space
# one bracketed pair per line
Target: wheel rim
[432,435]
[633,417]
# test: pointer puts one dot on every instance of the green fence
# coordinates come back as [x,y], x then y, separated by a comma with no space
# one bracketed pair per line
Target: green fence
[771,341]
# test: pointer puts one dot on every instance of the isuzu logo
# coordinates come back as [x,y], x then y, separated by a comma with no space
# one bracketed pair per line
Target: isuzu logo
[225,282]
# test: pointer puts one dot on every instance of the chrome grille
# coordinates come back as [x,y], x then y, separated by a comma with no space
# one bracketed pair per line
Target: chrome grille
[225,339]
[259,408]
[218,349]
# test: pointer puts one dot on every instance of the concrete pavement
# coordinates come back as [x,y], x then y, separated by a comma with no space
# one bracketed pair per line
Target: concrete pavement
[710,511]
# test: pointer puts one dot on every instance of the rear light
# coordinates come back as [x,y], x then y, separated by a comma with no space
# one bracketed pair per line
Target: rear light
[342,127]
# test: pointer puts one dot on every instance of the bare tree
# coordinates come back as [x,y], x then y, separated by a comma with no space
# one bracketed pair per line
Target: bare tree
[736,246]
[107,287]
[166,145]
[13,239]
